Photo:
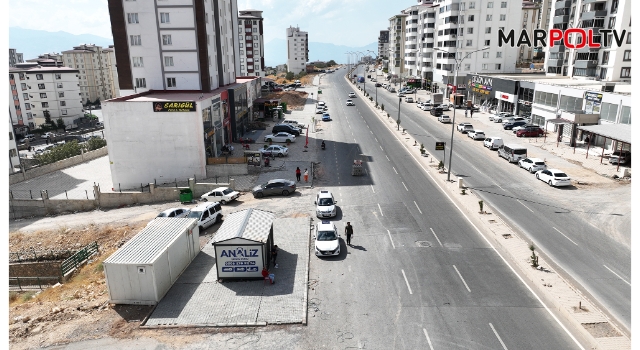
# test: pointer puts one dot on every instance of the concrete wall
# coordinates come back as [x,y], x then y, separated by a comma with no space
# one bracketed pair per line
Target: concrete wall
[223,170]
[45,169]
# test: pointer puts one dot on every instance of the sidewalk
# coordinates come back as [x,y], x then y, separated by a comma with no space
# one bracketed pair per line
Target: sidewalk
[591,324]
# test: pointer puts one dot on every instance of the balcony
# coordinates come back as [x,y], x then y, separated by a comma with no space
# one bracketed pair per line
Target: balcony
[557,48]
[585,64]
[554,63]
[587,49]
[563,4]
[584,2]
[560,19]
[585,16]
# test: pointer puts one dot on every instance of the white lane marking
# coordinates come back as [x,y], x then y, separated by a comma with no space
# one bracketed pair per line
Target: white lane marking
[434,234]
[498,186]
[498,336]
[605,266]
[387,157]
[381,148]
[405,187]
[524,205]
[368,126]
[379,207]
[414,202]
[349,268]
[459,275]
[352,133]
[376,139]
[476,169]
[371,132]
[394,246]
[565,236]
[394,168]
[372,189]
[428,339]
[354,140]
[406,280]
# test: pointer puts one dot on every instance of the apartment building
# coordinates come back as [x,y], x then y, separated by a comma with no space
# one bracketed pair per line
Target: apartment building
[530,17]
[175,45]
[383,44]
[15,57]
[14,158]
[98,78]
[39,93]
[396,45]
[251,47]
[50,59]
[297,50]
[610,63]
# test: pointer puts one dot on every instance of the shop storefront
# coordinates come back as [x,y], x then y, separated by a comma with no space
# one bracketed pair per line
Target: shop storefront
[506,101]
[526,90]
[239,112]
[492,92]
[212,126]
[479,89]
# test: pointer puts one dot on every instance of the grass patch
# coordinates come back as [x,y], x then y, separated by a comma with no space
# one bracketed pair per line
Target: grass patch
[27,296]
[13,296]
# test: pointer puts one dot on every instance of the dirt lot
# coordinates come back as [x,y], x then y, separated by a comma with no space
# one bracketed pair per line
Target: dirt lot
[295,100]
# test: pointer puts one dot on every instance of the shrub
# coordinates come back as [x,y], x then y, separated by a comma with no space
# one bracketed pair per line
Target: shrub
[382,106]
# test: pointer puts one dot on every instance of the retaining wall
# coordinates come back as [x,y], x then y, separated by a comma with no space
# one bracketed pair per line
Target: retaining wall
[65,163]
[227,169]
[35,269]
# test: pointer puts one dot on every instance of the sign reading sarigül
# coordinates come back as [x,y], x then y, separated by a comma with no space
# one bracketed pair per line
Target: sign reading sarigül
[174,106]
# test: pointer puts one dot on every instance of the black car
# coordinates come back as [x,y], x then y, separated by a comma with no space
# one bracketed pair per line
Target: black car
[511,125]
[285,128]
[436,111]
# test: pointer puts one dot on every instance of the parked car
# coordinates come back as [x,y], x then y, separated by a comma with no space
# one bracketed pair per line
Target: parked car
[408,100]
[620,157]
[436,111]
[532,164]
[493,143]
[326,117]
[553,177]
[350,103]
[207,214]
[47,135]
[378,85]
[444,106]
[444,119]
[294,123]
[511,125]
[325,204]
[530,132]
[476,134]
[286,128]
[352,94]
[327,239]
[275,150]
[280,137]
[512,119]
[322,103]
[319,110]
[427,106]
[28,137]
[500,117]
[274,187]
[174,213]
[515,130]
[223,195]
[400,94]
[512,153]
[461,126]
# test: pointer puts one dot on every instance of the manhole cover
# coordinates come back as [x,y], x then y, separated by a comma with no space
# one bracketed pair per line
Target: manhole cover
[507,235]
[423,244]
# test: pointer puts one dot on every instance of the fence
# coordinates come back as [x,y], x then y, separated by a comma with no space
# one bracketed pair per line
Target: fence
[30,283]
[76,193]
[78,258]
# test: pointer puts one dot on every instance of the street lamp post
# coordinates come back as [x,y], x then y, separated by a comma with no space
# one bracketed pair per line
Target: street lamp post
[398,121]
[376,84]
[453,121]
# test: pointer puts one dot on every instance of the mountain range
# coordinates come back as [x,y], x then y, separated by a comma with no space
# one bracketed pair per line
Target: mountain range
[32,43]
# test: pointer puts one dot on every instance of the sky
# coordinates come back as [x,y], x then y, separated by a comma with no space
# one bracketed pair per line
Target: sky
[351,23]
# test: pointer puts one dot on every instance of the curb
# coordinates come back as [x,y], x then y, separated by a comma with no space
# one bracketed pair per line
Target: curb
[305,312]
[605,343]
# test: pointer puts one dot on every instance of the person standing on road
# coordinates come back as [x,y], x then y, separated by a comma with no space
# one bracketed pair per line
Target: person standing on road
[274,255]
[306,175]
[348,230]
[465,113]
[298,173]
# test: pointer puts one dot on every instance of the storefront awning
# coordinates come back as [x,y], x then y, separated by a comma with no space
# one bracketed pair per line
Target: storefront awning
[618,132]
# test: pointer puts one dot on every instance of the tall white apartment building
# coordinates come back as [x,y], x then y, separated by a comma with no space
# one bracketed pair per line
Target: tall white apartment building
[39,92]
[14,158]
[51,59]
[251,48]
[396,45]
[383,44]
[611,63]
[97,74]
[297,50]
[175,44]
[411,49]
[530,17]
[15,57]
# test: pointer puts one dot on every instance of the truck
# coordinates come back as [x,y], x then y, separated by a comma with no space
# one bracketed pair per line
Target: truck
[457,100]
[436,99]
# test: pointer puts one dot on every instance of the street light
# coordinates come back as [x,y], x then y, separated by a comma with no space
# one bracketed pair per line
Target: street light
[455,83]
[364,89]
[376,84]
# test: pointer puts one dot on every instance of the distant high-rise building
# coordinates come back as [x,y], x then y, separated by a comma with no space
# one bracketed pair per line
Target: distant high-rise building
[297,50]
[396,45]
[251,43]
[160,45]
[49,59]
[14,57]
[383,44]
[96,66]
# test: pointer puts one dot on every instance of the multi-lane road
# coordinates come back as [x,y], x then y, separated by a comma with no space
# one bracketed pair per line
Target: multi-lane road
[419,275]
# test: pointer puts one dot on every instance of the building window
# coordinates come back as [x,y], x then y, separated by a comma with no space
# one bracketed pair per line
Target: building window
[469,42]
[132,18]
[255,30]
[503,4]
[498,66]
[467,66]
[23,86]
[137,62]
[628,38]
[39,76]
[485,66]
[256,52]
[625,72]
[499,54]
[168,61]
[487,42]
[29,115]
[63,103]
[490,5]
[64,112]
[255,37]
[166,39]
[27,106]
[135,40]
[256,45]
[472,5]
[487,30]
[141,83]
[504,17]
[41,86]
[485,55]
[242,67]
[242,52]
[21,76]
[614,6]
[469,30]
[164,17]
[45,104]
[627,55]
[171,82]
[58,76]
[489,18]
[470,18]
[25,96]
[241,45]
[43,95]
[61,94]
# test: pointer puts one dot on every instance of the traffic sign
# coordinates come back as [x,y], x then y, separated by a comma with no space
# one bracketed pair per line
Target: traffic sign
[440,146]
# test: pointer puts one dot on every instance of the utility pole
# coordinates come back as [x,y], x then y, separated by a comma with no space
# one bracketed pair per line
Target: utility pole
[398,121]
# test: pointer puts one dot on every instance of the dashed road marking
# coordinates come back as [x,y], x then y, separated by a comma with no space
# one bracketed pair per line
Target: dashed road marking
[623,280]
[428,339]
[405,187]
[394,168]
[414,202]
[524,205]
[463,281]
[373,189]
[379,207]
[565,236]
[434,235]
[407,281]
[391,239]
[498,336]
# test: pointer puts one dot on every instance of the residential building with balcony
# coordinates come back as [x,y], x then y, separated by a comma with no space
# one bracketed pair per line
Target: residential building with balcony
[383,44]
[97,68]
[396,45]
[172,45]
[530,17]
[38,93]
[607,63]
[297,50]
[50,59]
[426,40]
[15,58]
[14,157]
[251,43]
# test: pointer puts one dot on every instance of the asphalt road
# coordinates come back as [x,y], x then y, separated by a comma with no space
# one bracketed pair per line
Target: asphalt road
[418,274]
[595,261]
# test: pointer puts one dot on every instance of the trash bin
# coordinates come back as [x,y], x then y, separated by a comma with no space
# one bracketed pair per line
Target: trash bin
[186,195]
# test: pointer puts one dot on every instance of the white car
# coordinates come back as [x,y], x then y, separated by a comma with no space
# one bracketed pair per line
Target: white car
[294,123]
[352,94]
[47,135]
[476,134]
[223,195]
[350,103]
[327,239]
[319,110]
[280,137]
[444,119]
[174,213]
[275,150]
[325,204]
[532,164]
[501,117]
[445,106]
[553,177]
[461,126]
[321,103]
[408,100]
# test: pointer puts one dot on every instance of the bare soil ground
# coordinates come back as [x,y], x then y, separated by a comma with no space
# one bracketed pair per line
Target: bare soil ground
[295,100]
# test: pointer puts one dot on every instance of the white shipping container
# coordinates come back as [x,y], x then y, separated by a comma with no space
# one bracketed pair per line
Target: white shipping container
[143,270]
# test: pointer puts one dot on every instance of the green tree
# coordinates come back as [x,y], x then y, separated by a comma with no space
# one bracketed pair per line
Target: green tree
[60,123]
[47,117]
[301,74]
[95,143]
[57,153]
[289,76]
[320,65]
[331,63]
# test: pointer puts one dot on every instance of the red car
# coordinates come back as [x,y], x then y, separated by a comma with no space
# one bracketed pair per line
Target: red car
[530,132]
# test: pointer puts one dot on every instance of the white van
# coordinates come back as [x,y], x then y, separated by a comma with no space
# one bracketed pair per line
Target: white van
[512,153]
[493,143]
[207,214]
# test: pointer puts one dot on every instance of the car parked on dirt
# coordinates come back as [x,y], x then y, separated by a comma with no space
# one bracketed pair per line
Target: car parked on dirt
[553,177]
[274,187]
[207,214]
[620,157]
[532,164]
[223,195]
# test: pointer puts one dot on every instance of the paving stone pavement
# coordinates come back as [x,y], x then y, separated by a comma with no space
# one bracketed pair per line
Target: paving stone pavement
[197,298]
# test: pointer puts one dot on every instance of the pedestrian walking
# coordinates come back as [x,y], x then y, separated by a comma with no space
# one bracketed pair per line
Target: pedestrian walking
[348,231]
[472,113]
[586,140]
[298,173]
[465,113]
[274,255]
[306,175]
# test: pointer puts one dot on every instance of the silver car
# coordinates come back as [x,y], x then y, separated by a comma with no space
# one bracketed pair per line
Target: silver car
[274,187]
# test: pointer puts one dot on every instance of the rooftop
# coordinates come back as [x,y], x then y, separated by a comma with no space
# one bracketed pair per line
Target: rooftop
[173,95]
